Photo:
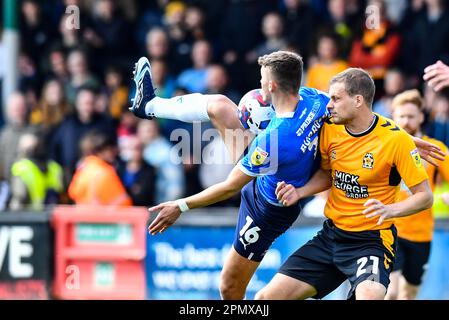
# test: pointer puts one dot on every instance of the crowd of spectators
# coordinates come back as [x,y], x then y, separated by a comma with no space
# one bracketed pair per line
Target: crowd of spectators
[75,83]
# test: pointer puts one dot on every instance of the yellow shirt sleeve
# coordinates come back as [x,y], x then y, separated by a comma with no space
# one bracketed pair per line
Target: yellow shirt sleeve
[408,161]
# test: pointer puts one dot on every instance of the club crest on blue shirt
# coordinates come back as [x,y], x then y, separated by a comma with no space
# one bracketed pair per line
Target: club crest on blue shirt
[258,156]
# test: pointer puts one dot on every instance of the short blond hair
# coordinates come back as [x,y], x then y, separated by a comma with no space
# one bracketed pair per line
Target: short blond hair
[408,96]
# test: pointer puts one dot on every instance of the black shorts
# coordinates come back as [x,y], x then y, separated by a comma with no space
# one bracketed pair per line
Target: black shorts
[411,260]
[335,255]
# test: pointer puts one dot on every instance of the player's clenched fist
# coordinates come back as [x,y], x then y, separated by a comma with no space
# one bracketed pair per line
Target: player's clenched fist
[169,212]
[286,194]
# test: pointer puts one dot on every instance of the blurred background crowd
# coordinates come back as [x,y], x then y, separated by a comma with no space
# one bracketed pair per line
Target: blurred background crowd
[68,129]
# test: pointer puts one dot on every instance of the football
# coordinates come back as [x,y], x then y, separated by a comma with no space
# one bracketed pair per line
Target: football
[255,113]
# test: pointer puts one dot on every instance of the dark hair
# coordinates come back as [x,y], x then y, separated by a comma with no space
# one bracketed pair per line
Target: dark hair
[286,68]
[114,69]
[39,151]
[97,141]
[89,88]
[334,37]
[357,82]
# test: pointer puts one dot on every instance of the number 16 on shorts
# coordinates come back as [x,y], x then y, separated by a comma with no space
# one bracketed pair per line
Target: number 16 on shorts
[249,235]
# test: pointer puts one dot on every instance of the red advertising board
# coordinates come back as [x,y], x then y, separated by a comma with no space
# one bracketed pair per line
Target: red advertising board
[99,252]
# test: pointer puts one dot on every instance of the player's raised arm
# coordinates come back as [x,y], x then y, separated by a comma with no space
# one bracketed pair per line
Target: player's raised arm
[289,195]
[170,211]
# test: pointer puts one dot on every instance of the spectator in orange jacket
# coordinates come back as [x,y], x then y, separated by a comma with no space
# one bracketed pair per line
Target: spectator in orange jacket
[95,181]
[379,45]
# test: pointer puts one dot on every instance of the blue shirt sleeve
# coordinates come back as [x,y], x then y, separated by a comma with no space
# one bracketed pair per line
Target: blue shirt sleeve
[259,159]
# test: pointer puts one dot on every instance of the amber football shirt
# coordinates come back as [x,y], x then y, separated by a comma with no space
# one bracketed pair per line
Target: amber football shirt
[366,166]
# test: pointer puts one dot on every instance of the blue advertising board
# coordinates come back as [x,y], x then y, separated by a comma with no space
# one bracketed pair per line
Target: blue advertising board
[185,263]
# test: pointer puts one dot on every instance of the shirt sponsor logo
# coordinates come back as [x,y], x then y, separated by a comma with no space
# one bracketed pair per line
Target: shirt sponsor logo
[349,184]
[309,118]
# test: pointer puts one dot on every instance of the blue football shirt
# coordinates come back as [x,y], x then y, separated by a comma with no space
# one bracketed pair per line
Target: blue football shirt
[287,150]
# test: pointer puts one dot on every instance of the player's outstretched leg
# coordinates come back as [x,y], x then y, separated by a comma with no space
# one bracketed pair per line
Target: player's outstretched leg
[223,114]
[188,108]
[218,109]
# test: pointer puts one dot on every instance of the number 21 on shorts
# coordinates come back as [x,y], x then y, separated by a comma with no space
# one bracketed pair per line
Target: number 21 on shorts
[248,236]
[363,268]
